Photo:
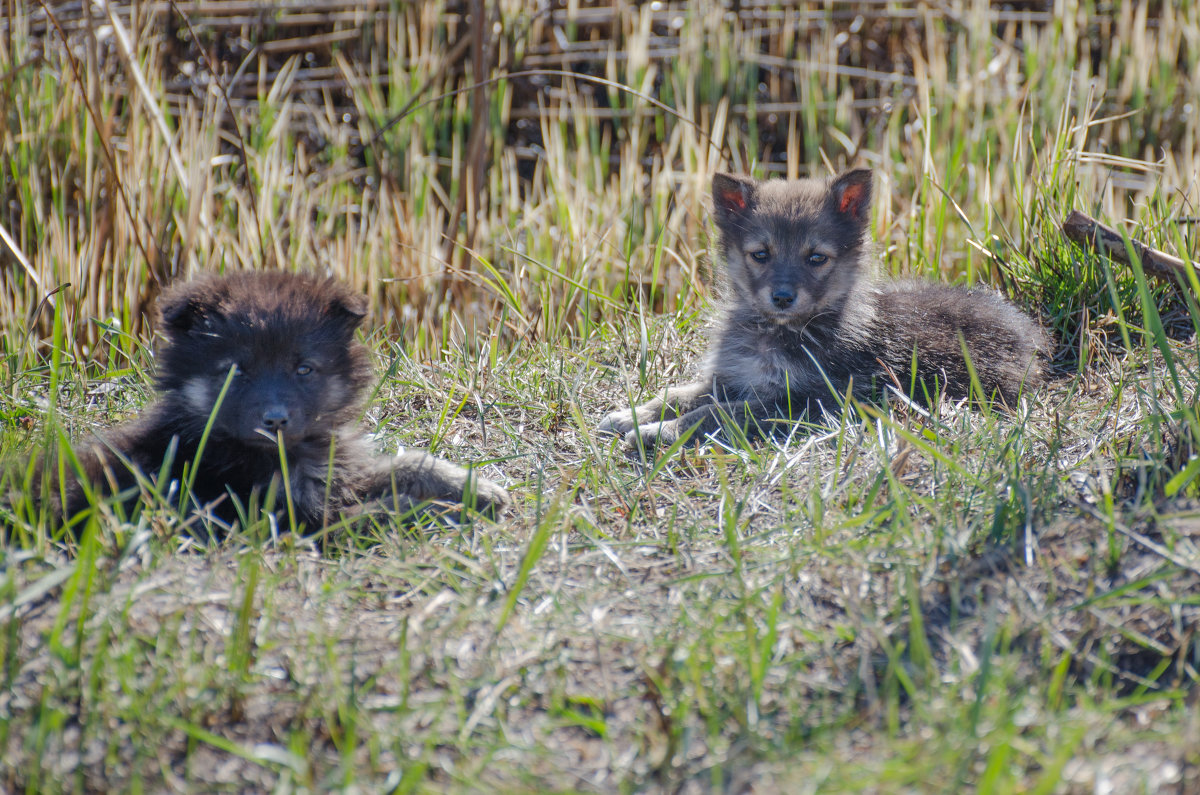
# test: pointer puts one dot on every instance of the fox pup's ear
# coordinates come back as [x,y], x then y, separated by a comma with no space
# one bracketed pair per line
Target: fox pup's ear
[182,312]
[348,310]
[850,194]
[732,194]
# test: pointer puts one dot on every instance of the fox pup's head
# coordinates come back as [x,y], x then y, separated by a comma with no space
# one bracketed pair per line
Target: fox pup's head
[793,249]
[285,344]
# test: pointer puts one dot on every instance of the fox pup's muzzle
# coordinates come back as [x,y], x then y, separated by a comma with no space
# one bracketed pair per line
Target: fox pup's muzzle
[275,418]
[783,297]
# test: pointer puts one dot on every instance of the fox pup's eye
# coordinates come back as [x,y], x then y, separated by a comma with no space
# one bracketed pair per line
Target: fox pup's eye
[817,259]
[760,255]
[304,369]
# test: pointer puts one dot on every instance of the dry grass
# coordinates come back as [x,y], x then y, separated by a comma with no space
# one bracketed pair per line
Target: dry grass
[884,602]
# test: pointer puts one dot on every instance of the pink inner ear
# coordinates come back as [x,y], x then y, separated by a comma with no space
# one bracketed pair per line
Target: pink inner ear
[733,198]
[852,199]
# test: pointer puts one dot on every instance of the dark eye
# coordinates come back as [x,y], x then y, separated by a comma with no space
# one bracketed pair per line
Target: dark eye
[760,255]
[304,369]
[817,259]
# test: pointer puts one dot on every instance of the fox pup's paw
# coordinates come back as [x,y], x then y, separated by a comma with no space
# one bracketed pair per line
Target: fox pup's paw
[424,478]
[654,435]
[488,498]
[618,423]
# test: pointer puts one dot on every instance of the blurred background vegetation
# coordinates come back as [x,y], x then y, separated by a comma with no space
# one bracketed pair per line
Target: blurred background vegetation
[499,171]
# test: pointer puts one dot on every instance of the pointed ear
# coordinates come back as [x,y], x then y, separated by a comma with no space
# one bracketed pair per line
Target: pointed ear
[732,194]
[850,194]
[182,311]
[347,309]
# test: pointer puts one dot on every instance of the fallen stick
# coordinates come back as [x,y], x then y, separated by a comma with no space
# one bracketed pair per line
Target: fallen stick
[1087,231]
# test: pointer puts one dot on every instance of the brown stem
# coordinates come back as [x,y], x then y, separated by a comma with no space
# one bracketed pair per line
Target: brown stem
[1089,232]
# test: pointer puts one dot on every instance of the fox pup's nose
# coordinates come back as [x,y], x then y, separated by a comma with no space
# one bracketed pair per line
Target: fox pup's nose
[275,419]
[783,297]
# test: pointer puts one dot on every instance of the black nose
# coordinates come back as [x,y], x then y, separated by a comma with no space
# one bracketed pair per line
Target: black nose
[275,419]
[783,297]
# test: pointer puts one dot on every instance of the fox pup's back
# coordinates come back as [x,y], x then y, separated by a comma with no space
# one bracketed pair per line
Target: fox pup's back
[1007,349]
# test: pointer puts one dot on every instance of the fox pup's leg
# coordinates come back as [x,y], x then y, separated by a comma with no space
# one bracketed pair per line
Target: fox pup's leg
[748,417]
[416,477]
[675,401]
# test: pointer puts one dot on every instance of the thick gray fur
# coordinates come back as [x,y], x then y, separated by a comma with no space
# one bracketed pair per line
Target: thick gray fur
[803,322]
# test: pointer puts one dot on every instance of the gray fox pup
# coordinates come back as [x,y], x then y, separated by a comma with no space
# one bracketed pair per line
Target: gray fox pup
[802,320]
[284,343]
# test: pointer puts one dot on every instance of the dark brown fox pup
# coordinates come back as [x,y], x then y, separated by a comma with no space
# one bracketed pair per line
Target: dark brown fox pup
[802,320]
[281,346]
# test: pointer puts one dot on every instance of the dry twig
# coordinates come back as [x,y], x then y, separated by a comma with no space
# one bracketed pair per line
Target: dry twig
[1089,232]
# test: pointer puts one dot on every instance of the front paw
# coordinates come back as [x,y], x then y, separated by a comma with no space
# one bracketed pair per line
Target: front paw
[647,438]
[618,423]
[488,498]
